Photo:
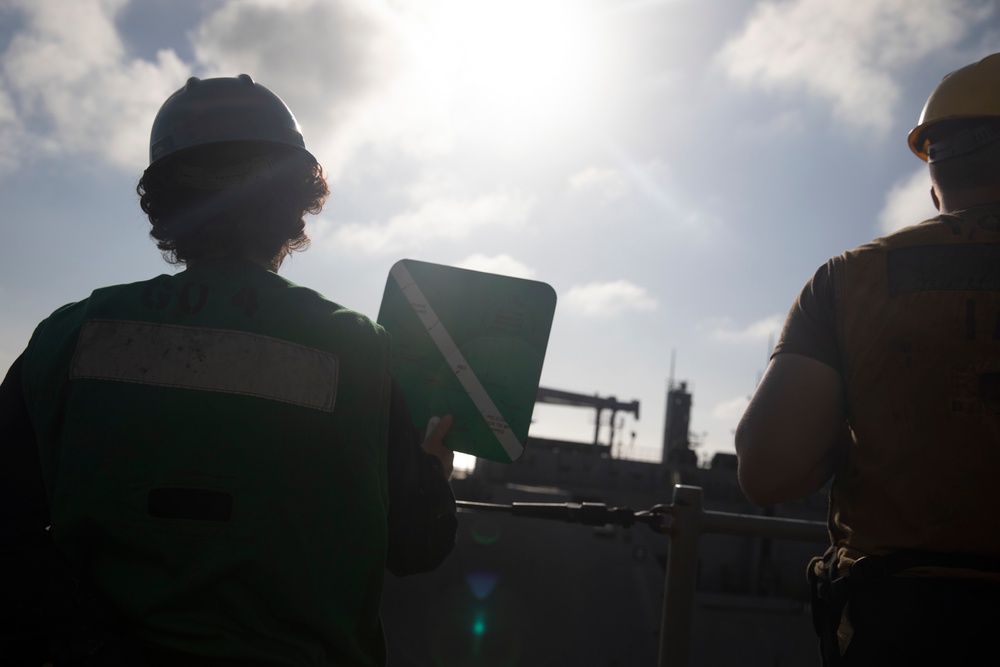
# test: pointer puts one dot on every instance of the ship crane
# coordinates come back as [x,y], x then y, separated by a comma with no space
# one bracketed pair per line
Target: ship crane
[600,404]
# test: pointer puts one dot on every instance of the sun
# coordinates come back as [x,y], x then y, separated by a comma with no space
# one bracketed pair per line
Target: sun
[521,66]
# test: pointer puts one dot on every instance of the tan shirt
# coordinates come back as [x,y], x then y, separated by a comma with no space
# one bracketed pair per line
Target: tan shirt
[912,322]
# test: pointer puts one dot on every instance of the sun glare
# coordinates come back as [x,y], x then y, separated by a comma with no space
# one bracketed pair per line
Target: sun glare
[520,65]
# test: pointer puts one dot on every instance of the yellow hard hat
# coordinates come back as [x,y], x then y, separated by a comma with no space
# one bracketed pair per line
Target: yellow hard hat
[970,92]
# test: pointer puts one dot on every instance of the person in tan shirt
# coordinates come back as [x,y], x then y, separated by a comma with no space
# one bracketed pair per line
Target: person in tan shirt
[885,383]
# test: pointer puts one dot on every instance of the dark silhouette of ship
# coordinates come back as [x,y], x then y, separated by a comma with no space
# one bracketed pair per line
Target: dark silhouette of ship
[520,590]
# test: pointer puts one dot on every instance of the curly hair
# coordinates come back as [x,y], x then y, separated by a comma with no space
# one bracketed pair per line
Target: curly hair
[239,199]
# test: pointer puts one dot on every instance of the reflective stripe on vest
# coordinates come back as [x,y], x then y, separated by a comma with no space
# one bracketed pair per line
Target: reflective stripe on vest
[185,357]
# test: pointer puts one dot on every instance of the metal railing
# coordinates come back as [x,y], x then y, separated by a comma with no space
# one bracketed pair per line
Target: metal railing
[690,522]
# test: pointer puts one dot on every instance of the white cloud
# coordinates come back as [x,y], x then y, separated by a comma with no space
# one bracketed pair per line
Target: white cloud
[761,330]
[907,203]
[8,115]
[11,135]
[844,52]
[434,219]
[609,184]
[71,90]
[732,409]
[352,71]
[331,52]
[608,299]
[504,265]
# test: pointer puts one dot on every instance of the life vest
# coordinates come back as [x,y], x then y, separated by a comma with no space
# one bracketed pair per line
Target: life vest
[214,449]
[919,318]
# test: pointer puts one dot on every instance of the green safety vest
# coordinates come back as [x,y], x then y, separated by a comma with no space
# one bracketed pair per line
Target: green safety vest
[214,449]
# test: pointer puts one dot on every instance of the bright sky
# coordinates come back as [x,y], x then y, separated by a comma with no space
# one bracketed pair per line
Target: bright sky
[674,169]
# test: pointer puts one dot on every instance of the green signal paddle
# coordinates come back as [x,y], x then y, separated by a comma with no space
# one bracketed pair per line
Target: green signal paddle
[470,344]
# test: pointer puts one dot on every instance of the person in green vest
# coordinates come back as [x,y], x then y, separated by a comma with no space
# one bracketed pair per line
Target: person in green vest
[213,467]
[885,384]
